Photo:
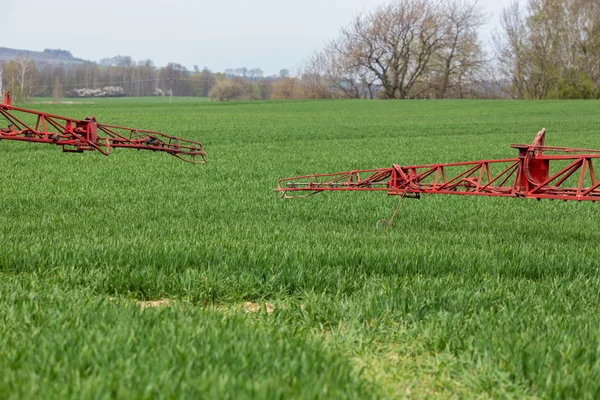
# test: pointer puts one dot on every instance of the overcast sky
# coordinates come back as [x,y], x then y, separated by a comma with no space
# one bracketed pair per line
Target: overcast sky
[267,34]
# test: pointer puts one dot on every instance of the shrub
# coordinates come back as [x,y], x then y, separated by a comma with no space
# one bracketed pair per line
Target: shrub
[234,89]
[107,91]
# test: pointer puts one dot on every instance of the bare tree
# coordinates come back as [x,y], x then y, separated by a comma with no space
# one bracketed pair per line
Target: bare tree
[587,39]
[266,88]
[395,43]
[255,73]
[315,77]
[512,50]
[409,48]
[461,55]
[343,76]
[206,81]
[470,70]
[243,72]
[552,50]
[22,77]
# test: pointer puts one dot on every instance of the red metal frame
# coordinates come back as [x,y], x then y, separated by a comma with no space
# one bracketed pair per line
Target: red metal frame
[89,135]
[568,175]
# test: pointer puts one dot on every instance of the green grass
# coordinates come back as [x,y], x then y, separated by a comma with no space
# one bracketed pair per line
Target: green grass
[463,297]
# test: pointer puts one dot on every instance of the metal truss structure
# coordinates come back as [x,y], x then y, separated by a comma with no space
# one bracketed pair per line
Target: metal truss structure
[539,172]
[90,135]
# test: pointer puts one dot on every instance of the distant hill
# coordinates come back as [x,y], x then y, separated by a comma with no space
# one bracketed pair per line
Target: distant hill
[48,56]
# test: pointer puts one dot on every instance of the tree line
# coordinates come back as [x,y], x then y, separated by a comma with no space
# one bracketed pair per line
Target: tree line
[117,76]
[544,49]
[406,49]
[551,49]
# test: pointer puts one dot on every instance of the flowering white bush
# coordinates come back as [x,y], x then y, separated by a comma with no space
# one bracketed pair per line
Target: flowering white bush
[107,91]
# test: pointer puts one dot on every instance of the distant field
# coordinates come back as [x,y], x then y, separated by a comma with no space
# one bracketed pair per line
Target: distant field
[463,297]
[104,100]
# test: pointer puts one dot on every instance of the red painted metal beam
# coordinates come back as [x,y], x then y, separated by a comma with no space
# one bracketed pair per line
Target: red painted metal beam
[568,175]
[89,135]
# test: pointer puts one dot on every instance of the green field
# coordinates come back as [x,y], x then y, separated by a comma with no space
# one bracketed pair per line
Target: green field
[463,297]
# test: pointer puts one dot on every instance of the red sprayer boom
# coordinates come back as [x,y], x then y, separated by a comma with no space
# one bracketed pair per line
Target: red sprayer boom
[566,174]
[89,135]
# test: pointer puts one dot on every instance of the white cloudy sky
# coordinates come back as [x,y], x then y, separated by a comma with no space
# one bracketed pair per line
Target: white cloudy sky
[268,34]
